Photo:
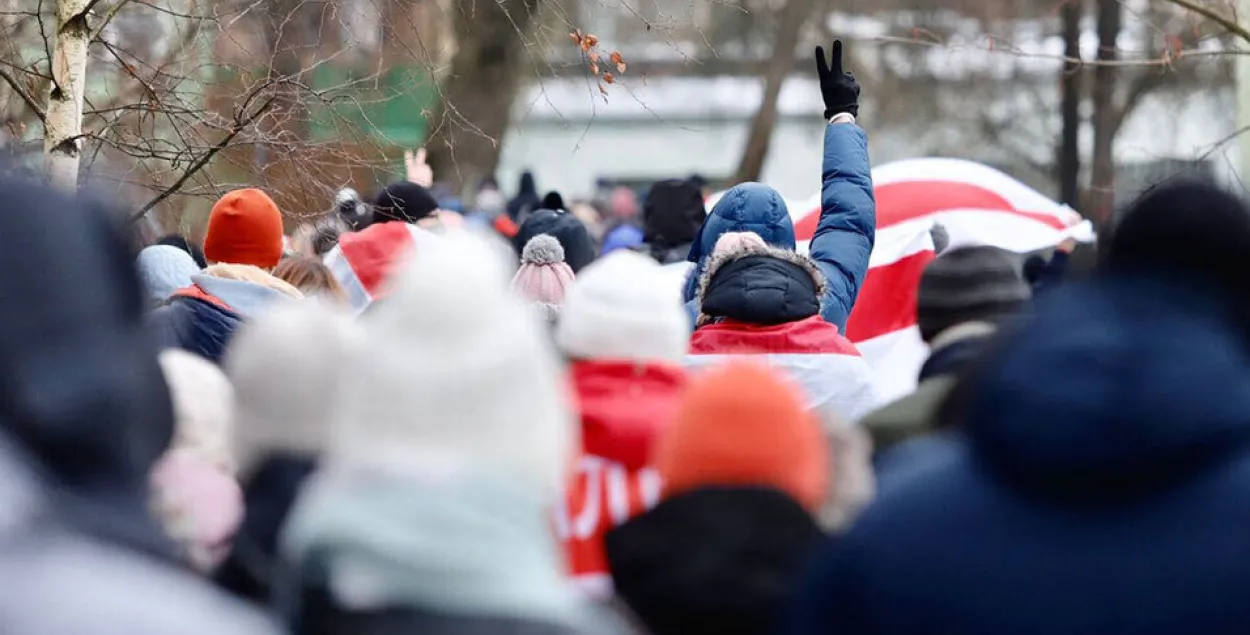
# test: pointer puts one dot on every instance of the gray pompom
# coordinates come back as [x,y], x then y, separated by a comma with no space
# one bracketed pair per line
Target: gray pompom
[542,250]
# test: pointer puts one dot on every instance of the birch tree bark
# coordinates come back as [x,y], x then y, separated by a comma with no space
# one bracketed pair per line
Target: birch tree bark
[63,121]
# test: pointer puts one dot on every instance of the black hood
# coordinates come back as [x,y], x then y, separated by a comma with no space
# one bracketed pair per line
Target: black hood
[759,289]
[84,394]
[715,560]
[672,214]
[526,199]
[403,201]
[579,247]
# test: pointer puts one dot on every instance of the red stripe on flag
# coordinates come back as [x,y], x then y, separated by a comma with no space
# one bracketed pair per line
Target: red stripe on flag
[812,335]
[908,200]
[375,251]
[887,301]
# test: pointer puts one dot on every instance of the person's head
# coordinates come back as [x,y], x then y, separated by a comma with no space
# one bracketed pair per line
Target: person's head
[745,425]
[543,277]
[311,277]
[454,372]
[579,247]
[1187,230]
[673,213]
[623,204]
[553,200]
[747,207]
[286,367]
[244,228]
[969,284]
[326,234]
[404,201]
[624,308]
[350,211]
[164,269]
[180,241]
[752,282]
[490,202]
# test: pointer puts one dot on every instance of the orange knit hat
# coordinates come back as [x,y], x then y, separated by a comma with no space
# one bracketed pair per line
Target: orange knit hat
[743,424]
[244,228]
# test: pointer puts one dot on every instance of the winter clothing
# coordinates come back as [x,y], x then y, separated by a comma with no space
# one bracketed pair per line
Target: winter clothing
[86,413]
[1045,274]
[543,277]
[624,407]
[671,216]
[744,467]
[244,228]
[445,513]
[175,240]
[363,261]
[203,407]
[202,318]
[1090,440]
[839,90]
[916,414]
[969,284]
[763,303]
[526,199]
[844,235]
[622,308]
[199,503]
[623,237]
[714,560]
[553,201]
[164,269]
[744,425]
[579,247]
[405,202]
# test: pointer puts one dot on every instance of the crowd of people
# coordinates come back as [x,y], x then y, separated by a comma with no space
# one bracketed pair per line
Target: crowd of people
[513,418]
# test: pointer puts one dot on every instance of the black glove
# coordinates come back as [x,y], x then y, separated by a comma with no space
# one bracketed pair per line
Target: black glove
[839,89]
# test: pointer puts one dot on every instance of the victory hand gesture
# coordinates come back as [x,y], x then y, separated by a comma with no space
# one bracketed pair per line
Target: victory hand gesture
[419,171]
[839,89]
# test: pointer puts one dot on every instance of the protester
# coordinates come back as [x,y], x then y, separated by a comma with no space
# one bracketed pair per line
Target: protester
[286,368]
[406,202]
[311,277]
[625,330]
[526,199]
[671,217]
[193,488]
[589,215]
[430,511]
[490,210]
[85,416]
[579,248]
[964,295]
[1089,440]
[179,241]
[163,269]
[543,278]
[623,237]
[846,230]
[745,470]
[764,303]
[244,239]
[350,210]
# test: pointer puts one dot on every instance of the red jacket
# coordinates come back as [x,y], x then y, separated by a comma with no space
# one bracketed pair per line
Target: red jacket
[623,406]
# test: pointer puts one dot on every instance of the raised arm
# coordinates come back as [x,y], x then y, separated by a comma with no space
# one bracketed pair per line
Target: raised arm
[846,232]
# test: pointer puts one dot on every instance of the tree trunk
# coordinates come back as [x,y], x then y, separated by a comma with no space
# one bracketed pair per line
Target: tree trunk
[1070,144]
[755,153]
[1102,180]
[477,96]
[63,125]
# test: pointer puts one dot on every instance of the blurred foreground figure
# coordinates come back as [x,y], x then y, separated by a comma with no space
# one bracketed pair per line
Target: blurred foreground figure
[1102,480]
[86,412]
[430,508]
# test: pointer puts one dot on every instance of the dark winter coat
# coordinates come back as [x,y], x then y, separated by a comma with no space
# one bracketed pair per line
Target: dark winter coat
[844,236]
[526,199]
[579,247]
[196,326]
[1103,485]
[714,560]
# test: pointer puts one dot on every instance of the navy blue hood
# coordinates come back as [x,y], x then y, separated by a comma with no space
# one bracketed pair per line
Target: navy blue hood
[747,207]
[1112,383]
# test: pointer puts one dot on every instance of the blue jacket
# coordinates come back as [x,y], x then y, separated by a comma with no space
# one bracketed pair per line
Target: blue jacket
[843,239]
[1102,485]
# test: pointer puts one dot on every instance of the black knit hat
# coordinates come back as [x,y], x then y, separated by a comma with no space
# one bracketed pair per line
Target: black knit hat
[404,201]
[969,284]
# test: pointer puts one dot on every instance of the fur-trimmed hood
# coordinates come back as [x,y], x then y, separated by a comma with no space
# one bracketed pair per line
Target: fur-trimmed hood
[794,283]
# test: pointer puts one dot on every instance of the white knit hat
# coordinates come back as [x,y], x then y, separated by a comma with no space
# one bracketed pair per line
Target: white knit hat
[453,372]
[624,307]
[203,406]
[286,365]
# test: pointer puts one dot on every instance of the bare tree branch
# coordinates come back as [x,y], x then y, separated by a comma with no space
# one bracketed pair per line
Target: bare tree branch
[1227,23]
[30,100]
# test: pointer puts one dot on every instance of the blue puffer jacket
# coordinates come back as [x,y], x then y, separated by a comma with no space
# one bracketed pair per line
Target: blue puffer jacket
[843,239]
[1103,485]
